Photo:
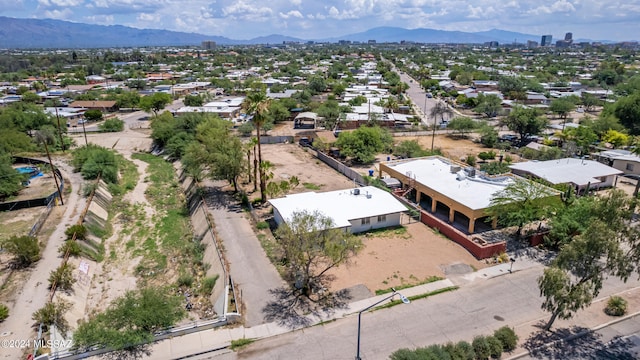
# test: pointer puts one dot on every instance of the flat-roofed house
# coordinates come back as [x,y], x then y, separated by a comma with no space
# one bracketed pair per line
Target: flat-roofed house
[578,173]
[355,210]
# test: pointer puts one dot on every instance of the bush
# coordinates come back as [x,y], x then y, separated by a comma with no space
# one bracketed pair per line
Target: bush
[72,247]
[470,160]
[207,285]
[245,129]
[463,351]
[616,306]
[262,225]
[25,250]
[53,314]
[62,277]
[112,125]
[79,230]
[507,337]
[495,347]
[481,347]
[185,280]
[4,312]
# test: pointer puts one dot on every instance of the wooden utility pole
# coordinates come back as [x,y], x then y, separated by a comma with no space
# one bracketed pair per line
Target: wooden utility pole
[59,131]
[53,172]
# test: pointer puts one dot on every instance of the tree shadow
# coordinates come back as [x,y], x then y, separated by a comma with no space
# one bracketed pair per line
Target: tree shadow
[130,353]
[577,343]
[292,309]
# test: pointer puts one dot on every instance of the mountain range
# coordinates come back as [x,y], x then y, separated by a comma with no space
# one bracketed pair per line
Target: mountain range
[49,33]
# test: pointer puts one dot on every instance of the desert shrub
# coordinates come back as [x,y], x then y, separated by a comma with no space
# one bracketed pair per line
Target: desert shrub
[207,285]
[62,277]
[463,351]
[72,247]
[471,160]
[507,337]
[79,230]
[481,347]
[185,280]
[495,346]
[262,225]
[25,250]
[112,125]
[616,306]
[53,314]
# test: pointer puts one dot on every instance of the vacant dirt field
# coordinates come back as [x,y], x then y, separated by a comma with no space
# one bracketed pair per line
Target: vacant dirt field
[391,258]
[293,160]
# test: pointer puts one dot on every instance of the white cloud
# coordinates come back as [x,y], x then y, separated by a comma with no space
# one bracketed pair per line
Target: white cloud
[63,14]
[292,13]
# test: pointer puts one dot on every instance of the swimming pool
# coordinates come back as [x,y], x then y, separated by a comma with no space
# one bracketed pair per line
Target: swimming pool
[30,170]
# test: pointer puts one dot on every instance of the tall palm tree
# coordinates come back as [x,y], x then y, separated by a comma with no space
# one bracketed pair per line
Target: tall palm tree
[257,104]
[440,109]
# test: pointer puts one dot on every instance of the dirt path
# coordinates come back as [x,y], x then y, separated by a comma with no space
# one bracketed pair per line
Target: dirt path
[34,293]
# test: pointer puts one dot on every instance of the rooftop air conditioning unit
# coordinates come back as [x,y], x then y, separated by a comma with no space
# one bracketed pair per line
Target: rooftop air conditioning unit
[454,169]
[356,191]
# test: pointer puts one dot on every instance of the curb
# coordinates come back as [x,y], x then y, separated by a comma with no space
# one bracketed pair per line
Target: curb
[578,335]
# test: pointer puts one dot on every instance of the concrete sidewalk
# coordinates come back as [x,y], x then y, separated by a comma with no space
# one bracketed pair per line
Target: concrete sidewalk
[584,321]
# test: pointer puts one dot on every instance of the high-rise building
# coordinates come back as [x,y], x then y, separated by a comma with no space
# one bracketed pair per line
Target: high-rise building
[532,44]
[546,40]
[208,45]
[568,36]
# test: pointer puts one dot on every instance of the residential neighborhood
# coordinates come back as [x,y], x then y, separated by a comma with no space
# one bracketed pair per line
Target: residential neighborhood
[239,201]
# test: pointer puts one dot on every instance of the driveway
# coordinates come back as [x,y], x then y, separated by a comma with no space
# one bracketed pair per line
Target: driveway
[251,271]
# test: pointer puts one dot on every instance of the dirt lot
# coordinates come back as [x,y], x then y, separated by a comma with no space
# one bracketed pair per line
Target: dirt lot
[393,258]
[293,160]
[389,258]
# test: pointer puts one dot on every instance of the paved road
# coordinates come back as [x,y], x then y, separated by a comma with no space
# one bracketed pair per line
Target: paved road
[251,270]
[475,309]
[418,96]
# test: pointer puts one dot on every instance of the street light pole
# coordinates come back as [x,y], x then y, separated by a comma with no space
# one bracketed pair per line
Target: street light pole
[404,299]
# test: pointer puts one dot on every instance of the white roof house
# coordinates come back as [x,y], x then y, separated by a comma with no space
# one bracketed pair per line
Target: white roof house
[474,192]
[576,172]
[356,210]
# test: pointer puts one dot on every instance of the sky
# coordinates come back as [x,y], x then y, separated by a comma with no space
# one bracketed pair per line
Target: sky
[317,19]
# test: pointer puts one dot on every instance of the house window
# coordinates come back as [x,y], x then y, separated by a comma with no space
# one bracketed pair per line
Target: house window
[629,167]
[382,218]
[365,221]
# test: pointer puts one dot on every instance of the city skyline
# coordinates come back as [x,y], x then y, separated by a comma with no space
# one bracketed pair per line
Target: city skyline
[245,19]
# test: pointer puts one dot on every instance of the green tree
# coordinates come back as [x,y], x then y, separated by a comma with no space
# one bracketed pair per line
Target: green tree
[524,121]
[512,87]
[589,101]
[409,149]
[30,97]
[364,143]
[128,99]
[193,100]
[462,125]
[93,161]
[155,102]
[603,245]
[440,109]
[562,107]
[11,180]
[312,246]
[278,112]
[522,202]
[488,135]
[257,104]
[489,105]
[93,115]
[217,151]
[130,320]
[317,84]
[627,109]
[25,250]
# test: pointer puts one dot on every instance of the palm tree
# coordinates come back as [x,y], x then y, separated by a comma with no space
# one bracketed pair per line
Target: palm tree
[257,104]
[440,109]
